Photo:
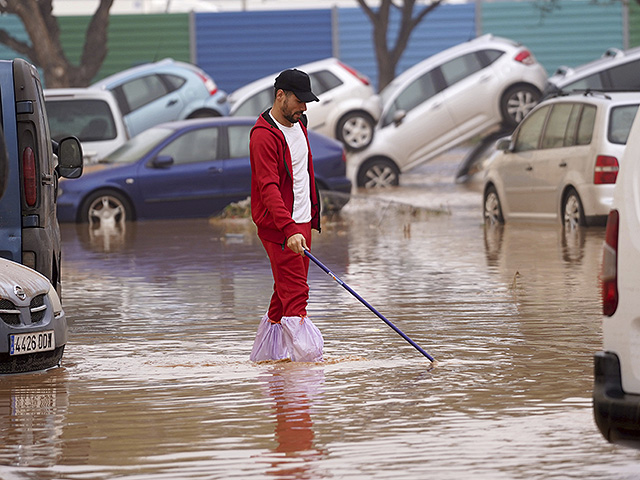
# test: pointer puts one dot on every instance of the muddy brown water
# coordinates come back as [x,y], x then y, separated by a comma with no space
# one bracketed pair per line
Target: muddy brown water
[156,382]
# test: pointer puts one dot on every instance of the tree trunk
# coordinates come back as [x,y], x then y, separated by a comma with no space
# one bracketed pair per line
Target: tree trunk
[387,57]
[45,50]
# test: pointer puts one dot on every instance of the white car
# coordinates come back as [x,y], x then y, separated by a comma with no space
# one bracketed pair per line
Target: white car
[562,161]
[616,393]
[89,114]
[33,326]
[445,100]
[347,111]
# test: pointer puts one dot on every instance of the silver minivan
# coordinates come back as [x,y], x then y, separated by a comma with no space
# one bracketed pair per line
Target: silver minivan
[561,163]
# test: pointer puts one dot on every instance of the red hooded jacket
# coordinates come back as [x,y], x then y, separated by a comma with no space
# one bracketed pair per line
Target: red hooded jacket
[272,182]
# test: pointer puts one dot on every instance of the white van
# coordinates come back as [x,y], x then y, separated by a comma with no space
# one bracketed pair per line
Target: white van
[89,114]
[616,393]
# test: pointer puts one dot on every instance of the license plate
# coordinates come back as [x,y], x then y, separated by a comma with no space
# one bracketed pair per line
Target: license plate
[23,343]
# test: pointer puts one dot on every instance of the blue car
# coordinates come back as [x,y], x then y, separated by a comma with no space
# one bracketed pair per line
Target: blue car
[164,91]
[185,169]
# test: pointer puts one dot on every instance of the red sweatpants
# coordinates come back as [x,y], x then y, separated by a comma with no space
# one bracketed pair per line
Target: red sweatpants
[290,287]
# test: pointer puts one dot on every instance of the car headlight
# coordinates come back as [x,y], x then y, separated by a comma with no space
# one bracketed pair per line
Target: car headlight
[55,301]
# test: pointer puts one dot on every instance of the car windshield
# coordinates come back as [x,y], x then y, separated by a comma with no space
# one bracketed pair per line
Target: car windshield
[138,146]
[89,120]
[620,123]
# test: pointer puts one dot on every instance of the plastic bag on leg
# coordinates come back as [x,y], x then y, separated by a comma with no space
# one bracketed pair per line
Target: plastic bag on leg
[303,339]
[269,343]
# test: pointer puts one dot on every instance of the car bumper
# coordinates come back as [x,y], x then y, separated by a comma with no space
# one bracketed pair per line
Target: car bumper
[616,413]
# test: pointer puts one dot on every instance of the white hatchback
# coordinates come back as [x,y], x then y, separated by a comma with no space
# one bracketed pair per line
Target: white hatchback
[347,110]
[445,100]
[562,161]
[616,393]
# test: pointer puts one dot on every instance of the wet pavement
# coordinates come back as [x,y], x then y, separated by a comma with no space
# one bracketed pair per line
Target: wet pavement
[156,380]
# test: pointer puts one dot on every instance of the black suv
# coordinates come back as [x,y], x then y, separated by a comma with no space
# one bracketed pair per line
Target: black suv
[29,230]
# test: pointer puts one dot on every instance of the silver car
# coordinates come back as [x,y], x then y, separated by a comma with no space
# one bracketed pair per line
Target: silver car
[562,161]
[347,111]
[616,70]
[445,100]
[33,326]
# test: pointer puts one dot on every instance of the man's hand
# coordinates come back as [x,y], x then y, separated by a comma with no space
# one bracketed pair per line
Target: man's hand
[297,243]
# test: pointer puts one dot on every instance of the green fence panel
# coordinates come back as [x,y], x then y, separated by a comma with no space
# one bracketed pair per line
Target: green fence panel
[576,32]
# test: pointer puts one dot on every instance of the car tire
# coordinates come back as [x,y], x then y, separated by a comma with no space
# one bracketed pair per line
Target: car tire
[516,102]
[572,210]
[204,114]
[378,173]
[104,208]
[492,208]
[355,130]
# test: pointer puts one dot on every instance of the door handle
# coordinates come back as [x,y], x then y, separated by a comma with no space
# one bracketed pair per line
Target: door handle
[528,168]
[215,169]
[172,102]
[562,164]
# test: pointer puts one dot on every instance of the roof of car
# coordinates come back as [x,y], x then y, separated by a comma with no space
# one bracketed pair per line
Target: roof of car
[129,72]
[596,96]
[610,56]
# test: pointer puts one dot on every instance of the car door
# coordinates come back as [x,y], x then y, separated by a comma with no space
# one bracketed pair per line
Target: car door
[419,118]
[564,149]
[516,170]
[469,93]
[185,178]
[149,100]
[237,168]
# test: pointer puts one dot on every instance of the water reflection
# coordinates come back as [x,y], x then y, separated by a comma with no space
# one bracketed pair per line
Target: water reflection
[294,390]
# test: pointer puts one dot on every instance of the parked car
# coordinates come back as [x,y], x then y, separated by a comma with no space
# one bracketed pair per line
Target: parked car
[347,108]
[616,392]
[616,70]
[562,161]
[445,100]
[190,168]
[33,326]
[164,91]
[89,114]
[29,230]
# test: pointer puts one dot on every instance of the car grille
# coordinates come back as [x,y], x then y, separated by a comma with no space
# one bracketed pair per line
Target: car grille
[10,314]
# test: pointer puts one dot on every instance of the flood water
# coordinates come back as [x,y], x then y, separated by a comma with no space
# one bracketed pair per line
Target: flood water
[156,381]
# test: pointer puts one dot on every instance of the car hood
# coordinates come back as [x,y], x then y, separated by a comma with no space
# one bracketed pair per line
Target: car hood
[16,279]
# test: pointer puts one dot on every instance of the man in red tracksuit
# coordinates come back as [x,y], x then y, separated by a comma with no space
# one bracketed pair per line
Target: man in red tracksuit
[285,206]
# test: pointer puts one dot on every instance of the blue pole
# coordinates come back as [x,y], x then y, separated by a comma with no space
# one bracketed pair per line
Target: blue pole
[367,304]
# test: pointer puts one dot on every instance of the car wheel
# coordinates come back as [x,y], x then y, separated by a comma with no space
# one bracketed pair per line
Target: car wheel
[378,173]
[355,130]
[516,102]
[572,211]
[106,208]
[204,114]
[492,207]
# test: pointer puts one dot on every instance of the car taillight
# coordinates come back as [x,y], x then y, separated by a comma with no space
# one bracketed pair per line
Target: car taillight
[364,79]
[29,176]
[606,170]
[209,83]
[524,56]
[609,275]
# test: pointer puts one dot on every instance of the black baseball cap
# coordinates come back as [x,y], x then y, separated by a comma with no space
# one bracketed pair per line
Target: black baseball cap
[298,82]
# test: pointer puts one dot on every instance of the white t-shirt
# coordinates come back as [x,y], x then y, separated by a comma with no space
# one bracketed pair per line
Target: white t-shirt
[297,144]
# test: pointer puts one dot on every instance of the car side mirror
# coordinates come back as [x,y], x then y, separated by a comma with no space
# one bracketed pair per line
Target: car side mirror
[162,161]
[504,144]
[398,117]
[69,152]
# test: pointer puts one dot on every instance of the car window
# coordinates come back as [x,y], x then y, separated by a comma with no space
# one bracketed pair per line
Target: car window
[530,130]
[620,122]
[418,91]
[138,146]
[572,125]
[239,141]
[626,76]
[555,130]
[487,57]
[587,122]
[461,67]
[89,120]
[142,91]
[323,81]
[255,105]
[194,146]
[592,81]
[173,82]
